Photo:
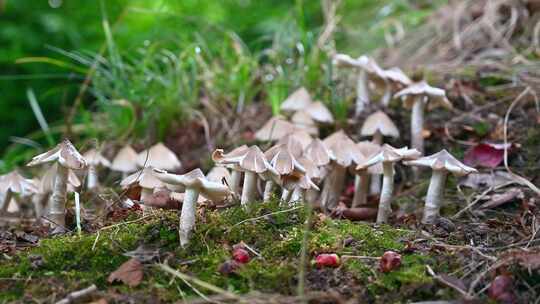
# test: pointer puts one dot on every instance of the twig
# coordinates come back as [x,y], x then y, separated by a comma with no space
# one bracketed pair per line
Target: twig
[441,280]
[74,296]
[359,257]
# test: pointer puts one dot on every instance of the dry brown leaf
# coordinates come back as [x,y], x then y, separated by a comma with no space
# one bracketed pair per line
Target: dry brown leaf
[129,273]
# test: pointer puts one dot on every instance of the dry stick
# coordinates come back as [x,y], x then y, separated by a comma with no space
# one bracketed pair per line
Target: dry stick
[438,278]
[517,178]
[74,296]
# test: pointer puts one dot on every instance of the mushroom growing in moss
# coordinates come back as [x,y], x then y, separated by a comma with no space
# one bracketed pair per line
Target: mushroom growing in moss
[125,161]
[441,163]
[236,177]
[159,156]
[416,96]
[147,183]
[46,186]
[14,183]
[94,159]
[195,183]
[388,156]
[361,181]
[67,158]
[284,163]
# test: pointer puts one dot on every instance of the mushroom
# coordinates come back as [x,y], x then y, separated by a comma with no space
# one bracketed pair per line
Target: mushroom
[67,158]
[378,125]
[219,175]
[46,186]
[367,67]
[94,159]
[442,163]
[297,141]
[159,156]
[308,181]
[361,181]
[416,96]
[195,183]
[395,80]
[274,129]
[284,162]
[236,175]
[298,100]
[388,156]
[147,181]
[253,162]
[14,183]
[345,153]
[125,161]
[303,121]
[319,113]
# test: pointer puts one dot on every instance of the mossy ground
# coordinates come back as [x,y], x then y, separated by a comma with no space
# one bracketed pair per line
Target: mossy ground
[74,262]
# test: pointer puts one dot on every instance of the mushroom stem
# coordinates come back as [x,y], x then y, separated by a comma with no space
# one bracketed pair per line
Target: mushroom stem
[362,92]
[187,217]
[311,196]
[249,191]
[268,189]
[57,208]
[361,183]
[417,124]
[92,178]
[375,184]
[146,193]
[236,176]
[387,96]
[5,203]
[386,193]
[286,195]
[434,196]
[333,185]
[37,201]
[298,195]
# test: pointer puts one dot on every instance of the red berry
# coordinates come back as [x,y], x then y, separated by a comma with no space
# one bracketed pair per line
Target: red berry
[328,260]
[241,255]
[389,261]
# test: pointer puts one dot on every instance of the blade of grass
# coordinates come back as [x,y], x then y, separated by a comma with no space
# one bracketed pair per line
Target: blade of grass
[39,115]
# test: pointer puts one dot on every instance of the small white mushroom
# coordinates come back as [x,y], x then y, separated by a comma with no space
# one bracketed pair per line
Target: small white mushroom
[388,156]
[320,113]
[148,183]
[361,181]
[416,96]
[395,81]
[94,159]
[303,121]
[159,156]
[125,161]
[442,163]
[274,129]
[195,183]
[236,177]
[46,187]
[67,158]
[282,157]
[298,100]
[14,183]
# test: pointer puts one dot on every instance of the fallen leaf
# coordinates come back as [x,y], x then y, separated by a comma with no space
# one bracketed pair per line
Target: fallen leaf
[527,259]
[501,289]
[129,273]
[485,155]
[486,180]
[503,198]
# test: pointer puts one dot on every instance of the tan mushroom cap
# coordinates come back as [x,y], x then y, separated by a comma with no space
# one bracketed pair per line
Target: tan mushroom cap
[298,100]
[370,149]
[363,62]
[318,153]
[17,183]
[251,159]
[343,149]
[274,129]
[313,171]
[396,76]
[296,137]
[303,121]
[145,179]
[390,154]
[46,185]
[434,96]
[219,174]
[282,160]
[379,122]
[290,182]
[64,153]
[195,179]
[125,160]
[159,156]
[95,158]
[293,143]
[443,160]
[319,112]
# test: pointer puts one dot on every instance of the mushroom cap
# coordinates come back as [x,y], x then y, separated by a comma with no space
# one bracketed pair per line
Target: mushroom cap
[303,121]
[442,160]
[282,160]
[370,149]
[143,178]
[434,96]
[94,158]
[343,149]
[292,142]
[64,153]
[396,75]
[275,128]
[251,159]
[298,100]
[319,112]
[46,185]
[290,182]
[159,156]
[318,153]
[195,179]
[16,183]
[313,171]
[125,160]
[390,154]
[379,122]
[219,174]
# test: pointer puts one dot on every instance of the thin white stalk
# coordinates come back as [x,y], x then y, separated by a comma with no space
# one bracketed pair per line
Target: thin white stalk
[333,185]
[434,196]
[387,190]
[92,178]
[57,209]
[5,202]
[362,92]
[268,190]
[78,213]
[387,96]
[146,193]
[286,195]
[361,184]
[417,124]
[187,217]
[297,195]
[37,201]
[249,191]
[236,177]
[375,184]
